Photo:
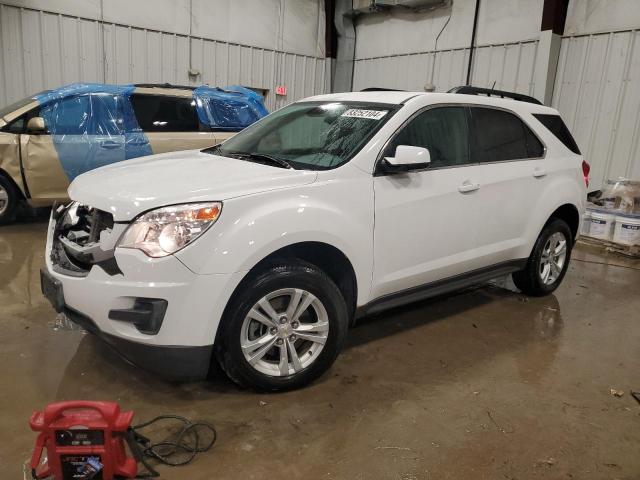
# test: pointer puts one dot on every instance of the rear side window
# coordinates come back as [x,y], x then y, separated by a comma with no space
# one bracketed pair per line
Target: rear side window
[444,131]
[106,110]
[160,113]
[500,136]
[556,126]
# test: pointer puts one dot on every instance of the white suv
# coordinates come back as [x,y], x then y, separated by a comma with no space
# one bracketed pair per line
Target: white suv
[262,251]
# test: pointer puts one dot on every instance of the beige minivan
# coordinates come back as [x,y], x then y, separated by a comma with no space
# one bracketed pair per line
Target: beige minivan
[48,139]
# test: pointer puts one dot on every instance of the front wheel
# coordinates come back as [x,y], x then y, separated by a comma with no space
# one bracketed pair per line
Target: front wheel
[548,262]
[9,201]
[283,329]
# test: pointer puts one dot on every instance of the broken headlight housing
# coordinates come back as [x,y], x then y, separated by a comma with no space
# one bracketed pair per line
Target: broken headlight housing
[166,230]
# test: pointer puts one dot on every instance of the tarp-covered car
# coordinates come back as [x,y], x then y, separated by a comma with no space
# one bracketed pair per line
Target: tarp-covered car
[50,138]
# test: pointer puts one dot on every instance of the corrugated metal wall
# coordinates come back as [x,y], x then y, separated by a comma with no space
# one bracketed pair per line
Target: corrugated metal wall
[597,91]
[597,88]
[43,50]
[510,66]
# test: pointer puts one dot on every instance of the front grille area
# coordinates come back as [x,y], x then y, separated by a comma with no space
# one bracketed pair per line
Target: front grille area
[77,240]
[90,223]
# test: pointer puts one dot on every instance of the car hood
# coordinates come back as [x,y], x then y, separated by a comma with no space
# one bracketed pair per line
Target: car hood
[129,188]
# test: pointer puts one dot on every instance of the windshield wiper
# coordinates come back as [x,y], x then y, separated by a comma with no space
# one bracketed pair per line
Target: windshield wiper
[261,157]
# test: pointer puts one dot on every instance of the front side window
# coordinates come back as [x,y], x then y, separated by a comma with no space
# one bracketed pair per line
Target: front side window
[501,136]
[92,114]
[68,116]
[311,135]
[17,126]
[4,111]
[161,113]
[444,131]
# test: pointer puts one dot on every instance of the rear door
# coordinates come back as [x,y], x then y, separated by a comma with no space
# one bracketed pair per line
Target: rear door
[105,132]
[512,170]
[425,221]
[170,122]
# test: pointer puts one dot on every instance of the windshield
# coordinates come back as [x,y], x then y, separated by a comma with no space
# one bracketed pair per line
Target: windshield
[311,135]
[15,106]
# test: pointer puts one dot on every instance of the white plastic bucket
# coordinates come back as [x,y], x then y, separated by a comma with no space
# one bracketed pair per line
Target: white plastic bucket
[627,230]
[601,225]
[586,223]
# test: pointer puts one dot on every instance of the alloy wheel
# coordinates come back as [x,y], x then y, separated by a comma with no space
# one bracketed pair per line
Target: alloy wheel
[4,199]
[284,332]
[554,255]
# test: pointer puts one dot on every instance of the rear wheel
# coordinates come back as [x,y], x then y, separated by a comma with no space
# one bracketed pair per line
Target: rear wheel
[283,329]
[9,201]
[548,262]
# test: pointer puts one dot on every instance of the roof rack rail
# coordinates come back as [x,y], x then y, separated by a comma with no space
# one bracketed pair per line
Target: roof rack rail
[469,90]
[164,85]
[381,89]
[182,87]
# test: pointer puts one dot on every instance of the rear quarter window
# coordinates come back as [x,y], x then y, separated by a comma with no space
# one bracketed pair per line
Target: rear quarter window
[556,126]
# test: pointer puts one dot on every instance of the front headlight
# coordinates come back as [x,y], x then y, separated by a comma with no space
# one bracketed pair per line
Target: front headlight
[166,230]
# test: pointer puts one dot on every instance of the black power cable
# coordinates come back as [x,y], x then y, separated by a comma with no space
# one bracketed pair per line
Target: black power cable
[187,440]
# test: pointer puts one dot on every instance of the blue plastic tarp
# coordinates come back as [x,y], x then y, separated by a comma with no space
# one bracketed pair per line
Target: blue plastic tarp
[93,125]
[232,108]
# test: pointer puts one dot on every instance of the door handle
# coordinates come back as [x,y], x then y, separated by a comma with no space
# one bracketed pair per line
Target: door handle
[468,186]
[137,143]
[110,144]
[539,172]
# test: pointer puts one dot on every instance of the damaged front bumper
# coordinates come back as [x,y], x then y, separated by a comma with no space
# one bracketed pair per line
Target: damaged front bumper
[155,312]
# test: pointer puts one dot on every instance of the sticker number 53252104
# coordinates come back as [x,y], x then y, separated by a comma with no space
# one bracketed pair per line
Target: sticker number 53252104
[370,114]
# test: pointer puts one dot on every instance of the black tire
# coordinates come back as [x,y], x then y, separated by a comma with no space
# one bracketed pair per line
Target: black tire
[529,280]
[10,209]
[282,275]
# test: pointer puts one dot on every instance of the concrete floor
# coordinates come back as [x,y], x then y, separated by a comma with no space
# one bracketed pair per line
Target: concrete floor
[484,384]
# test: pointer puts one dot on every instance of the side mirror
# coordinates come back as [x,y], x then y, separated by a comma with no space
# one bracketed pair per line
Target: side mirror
[35,125]
[407,158]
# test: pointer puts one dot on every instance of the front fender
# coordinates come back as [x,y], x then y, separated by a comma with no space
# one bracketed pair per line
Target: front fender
[338,212]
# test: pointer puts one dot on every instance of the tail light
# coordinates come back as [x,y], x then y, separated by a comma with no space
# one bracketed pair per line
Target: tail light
[586,168]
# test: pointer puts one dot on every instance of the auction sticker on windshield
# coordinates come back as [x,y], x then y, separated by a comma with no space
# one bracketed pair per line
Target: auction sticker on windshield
[370,114]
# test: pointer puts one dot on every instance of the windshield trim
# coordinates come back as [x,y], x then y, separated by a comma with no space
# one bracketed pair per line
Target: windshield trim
[392,108]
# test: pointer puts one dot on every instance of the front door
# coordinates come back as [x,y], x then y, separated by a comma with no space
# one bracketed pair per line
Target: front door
[43,172]
[425,221]
[10,156]
[83,132]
